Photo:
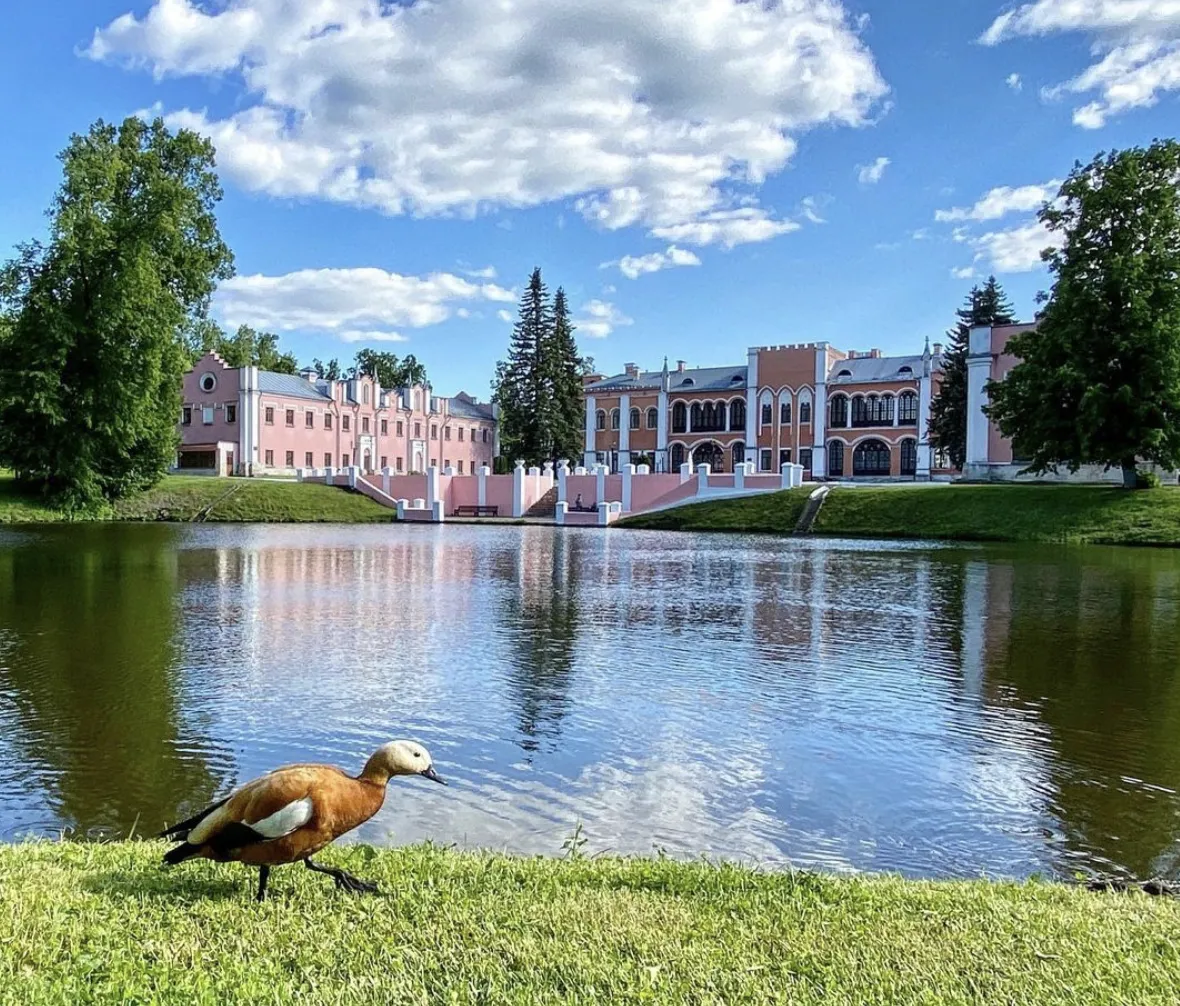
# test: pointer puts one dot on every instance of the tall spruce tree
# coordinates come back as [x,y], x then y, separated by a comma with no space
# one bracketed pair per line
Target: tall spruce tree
[519,386]
[564,377]
[91,374]
[985,305]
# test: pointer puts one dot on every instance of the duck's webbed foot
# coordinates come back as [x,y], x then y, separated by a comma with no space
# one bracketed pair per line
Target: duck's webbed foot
[344,881]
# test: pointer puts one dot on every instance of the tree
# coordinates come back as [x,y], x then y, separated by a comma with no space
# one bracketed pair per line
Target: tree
[90,380]
[245,348]
[986,305]
[518,385]
[563,373]
[329,371]
[1098,382]
[389,371]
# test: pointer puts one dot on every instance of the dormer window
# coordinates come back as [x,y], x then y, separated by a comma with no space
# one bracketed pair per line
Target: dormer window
[688,382]
[844,373]
[736,379]
[905,370]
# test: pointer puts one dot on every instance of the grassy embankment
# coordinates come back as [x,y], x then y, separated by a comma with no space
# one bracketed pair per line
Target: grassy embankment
[183,498]
[104,923]
[1023,513]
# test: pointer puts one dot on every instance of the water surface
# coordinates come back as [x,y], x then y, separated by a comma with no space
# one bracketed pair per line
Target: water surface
[946,711]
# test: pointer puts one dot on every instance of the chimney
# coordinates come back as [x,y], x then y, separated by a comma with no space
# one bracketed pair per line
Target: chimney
[937,347]
[874,354]
[680,366]
[632,370]
[309,374]
[852,354]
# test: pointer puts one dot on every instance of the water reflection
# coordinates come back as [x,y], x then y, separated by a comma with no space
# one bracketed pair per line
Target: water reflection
[846,705]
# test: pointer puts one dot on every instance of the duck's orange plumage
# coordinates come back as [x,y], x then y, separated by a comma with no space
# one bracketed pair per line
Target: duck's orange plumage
[288,815]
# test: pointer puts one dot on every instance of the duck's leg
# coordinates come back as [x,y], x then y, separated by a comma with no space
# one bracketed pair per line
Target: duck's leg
[344,881]
[263,877]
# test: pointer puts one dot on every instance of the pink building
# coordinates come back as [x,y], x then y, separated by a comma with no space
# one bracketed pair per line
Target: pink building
[841,415]
[246,421]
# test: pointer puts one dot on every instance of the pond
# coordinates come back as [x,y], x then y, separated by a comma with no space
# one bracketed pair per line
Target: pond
[932,710]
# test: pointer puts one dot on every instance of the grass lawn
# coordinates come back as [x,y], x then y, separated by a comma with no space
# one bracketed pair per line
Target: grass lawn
[180,498]
[1032,513]
[104,923]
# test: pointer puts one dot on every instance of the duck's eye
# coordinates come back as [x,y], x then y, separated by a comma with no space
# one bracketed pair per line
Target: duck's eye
[417,754]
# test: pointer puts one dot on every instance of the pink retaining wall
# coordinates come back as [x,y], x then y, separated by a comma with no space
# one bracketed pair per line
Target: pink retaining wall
[646,489]
[408,487]
[614,488]
[464,492]
[500,493]
[587,485]
[579,519]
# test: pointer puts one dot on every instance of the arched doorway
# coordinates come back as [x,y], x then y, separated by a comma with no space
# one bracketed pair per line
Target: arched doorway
[676,457]
[367,462]
[909,457]
[708,454]
[739,454]
[836,459]
[871,458]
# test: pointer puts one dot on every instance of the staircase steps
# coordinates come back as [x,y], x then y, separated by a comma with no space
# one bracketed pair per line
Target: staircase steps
[546,506]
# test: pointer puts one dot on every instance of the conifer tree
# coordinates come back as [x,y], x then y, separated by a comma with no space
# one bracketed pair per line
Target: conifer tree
[985,305]
[564,366]
[519,382]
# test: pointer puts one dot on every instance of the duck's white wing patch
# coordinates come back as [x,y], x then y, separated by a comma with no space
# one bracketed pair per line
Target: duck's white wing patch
[285,820]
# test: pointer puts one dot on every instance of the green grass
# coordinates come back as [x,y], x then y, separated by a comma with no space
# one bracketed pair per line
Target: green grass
[181,498]
[773,513]
[105,924]
[1020,513]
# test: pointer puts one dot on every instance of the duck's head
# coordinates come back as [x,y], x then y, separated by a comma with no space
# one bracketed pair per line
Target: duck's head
[401,758]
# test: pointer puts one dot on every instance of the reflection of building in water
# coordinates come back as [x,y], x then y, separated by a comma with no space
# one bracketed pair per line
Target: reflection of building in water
[1049,641]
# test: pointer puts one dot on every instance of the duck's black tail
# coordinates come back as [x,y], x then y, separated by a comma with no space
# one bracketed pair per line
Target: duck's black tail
[181,830]
[180,854]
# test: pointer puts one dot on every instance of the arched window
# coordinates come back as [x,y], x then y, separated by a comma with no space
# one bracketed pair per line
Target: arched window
[784,410]
[634,419]
[677,455]
[739,454]
[871,457]
[860,411]
[614,419]
[907,408]
[600,420]
[805,413]
[844,373]
[839,411]
[835,458]
[719,423]
[365,393]
[697,417]
[708,454]
[653,419]
[737,415]
[679,418]
[909,457]
[907,371]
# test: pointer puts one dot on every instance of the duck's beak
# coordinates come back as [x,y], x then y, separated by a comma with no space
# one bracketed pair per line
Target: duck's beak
[433,776]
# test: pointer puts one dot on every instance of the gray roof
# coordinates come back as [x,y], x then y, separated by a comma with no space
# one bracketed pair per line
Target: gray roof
[696,379]
[464,409]
[291,385]
[867,369]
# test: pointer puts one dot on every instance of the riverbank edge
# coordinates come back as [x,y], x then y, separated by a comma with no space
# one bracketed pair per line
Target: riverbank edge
[100,922]
[1020,513]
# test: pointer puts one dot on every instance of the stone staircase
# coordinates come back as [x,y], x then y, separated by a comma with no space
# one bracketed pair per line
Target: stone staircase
[546,506]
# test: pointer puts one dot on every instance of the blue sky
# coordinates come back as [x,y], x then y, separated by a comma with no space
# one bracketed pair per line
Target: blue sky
[701,176]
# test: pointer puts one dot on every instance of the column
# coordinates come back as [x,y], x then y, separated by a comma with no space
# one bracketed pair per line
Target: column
[924,449]
[518,490]
[591,428]
[819,416]
[563,471]
[600,483]
[628,475]
[482,486]
[665,422]
[979,365]
[752,416]
[624,431]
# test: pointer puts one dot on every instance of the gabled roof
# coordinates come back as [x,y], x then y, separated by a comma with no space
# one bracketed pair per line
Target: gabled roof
[696,379]
[465,409]
[290,385]
[868,369]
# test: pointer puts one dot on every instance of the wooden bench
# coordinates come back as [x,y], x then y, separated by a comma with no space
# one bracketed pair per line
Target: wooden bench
[584,508]
[477,511]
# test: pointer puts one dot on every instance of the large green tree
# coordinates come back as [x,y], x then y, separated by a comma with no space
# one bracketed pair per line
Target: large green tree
[563,374]
[245,348]
[389,370]
[518,387]
[985,305]
[1099,380]
[90,380]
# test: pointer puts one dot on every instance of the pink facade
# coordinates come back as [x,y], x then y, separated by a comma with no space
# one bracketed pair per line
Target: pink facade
[247,421]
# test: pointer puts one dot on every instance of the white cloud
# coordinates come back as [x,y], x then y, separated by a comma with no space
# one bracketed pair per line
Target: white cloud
[1014,81]
[362,303]
[359,335]
[665,116]
[1136,44]
[871,174]
[999,202]
[598,318]
[809,208]
[504,316]
[1017,249]
[921,234]
[967,272]
[487,272]
[634,266]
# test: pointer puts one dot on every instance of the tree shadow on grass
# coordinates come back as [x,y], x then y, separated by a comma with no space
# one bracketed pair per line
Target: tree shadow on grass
[139,884]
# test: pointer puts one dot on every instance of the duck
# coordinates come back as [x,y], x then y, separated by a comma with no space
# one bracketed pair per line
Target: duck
[291,813]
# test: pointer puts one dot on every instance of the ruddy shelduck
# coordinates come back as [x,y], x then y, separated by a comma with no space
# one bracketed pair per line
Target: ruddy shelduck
[290,814]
